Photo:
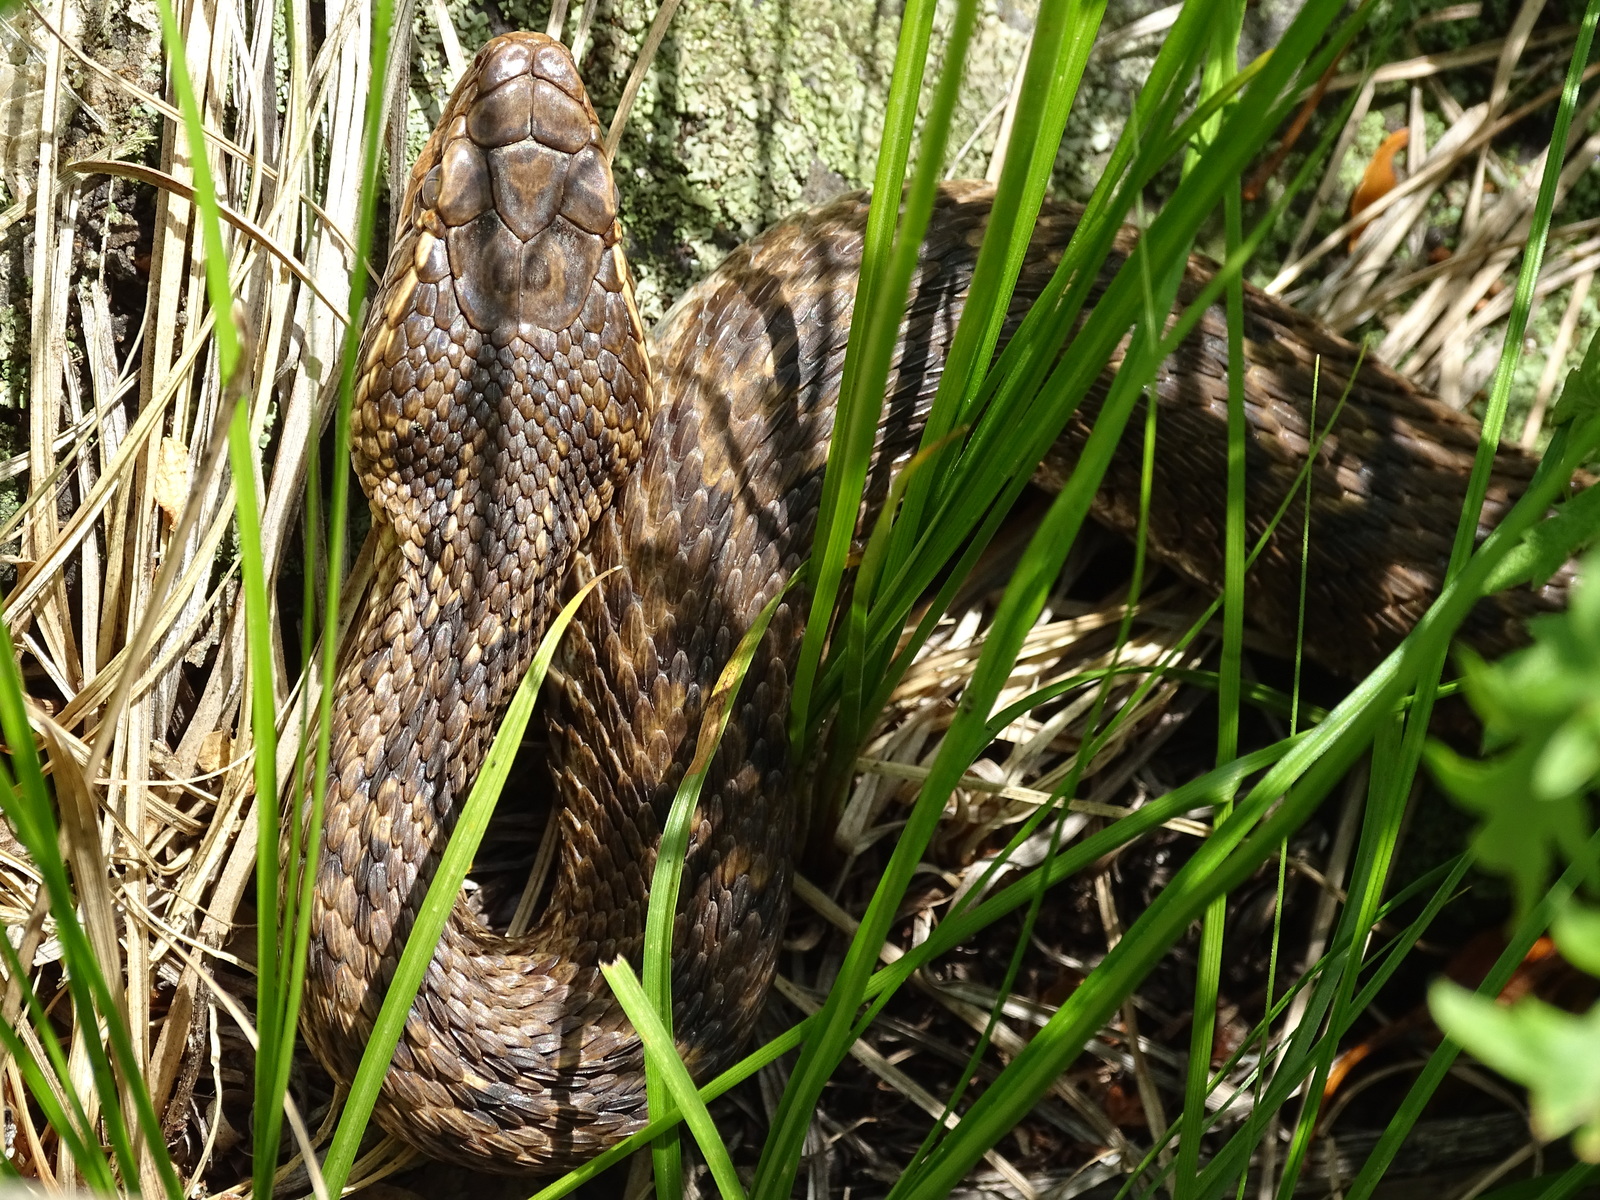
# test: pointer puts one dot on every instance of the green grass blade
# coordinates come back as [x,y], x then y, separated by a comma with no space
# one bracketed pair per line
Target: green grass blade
[1549,1187]
[1294,1064]
[665,882]
[242,455]
[1165,243]
[887,613]
[666,1065]
[1393,772]
[864,403]
[26,803]
[1521,940]
[280,1049]
[1221,65]
[996,453]
[855,422]
[1205,792]
[76,1131]
[1062,38]
[437,904]
[1023,598]
[1315,764]
[83,1149]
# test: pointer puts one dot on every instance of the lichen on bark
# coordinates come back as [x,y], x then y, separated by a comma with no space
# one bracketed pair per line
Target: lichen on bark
[751,109]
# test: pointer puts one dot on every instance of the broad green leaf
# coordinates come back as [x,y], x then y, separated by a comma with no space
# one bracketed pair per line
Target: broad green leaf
[1554,1054]
[1520,836]
[1576,931]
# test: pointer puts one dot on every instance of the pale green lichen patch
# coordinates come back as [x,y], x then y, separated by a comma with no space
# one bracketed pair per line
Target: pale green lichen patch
[751,109]
[755,108]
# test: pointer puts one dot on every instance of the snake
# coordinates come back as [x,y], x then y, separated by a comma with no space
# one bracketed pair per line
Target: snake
[518,433]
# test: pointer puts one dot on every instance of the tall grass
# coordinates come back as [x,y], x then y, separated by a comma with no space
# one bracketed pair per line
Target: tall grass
[993,420]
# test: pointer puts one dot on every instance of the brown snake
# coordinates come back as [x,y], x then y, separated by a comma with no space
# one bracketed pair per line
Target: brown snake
[513,437]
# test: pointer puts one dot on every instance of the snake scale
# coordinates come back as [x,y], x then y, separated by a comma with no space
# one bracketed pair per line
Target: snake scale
[516,432]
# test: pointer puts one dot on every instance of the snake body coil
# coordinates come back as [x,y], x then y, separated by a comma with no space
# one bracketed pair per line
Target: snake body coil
[513,437]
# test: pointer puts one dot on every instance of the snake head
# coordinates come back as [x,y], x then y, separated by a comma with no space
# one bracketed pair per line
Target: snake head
[506,326]
[516,184]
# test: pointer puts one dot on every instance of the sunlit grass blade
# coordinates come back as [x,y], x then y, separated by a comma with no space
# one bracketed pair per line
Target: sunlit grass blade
[1520,940]
[1202,793]
[855,423]
[1165,243]
[1062,39]
[984,494]
[1023,417]
[242,455]
[1395,769]
[278,1050]
[666,881]
[437,904]
[933,542]
[1221,65]
[25,800]
[1289,1069]
[666,1066]
[76,1131]
[1295,785]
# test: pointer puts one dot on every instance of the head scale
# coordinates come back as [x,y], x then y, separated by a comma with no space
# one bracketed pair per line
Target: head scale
[505,352]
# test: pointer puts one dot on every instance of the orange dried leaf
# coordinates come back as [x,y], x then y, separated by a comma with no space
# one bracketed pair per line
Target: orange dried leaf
[1378,179]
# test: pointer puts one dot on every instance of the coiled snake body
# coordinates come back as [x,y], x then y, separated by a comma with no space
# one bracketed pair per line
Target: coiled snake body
[513,436]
